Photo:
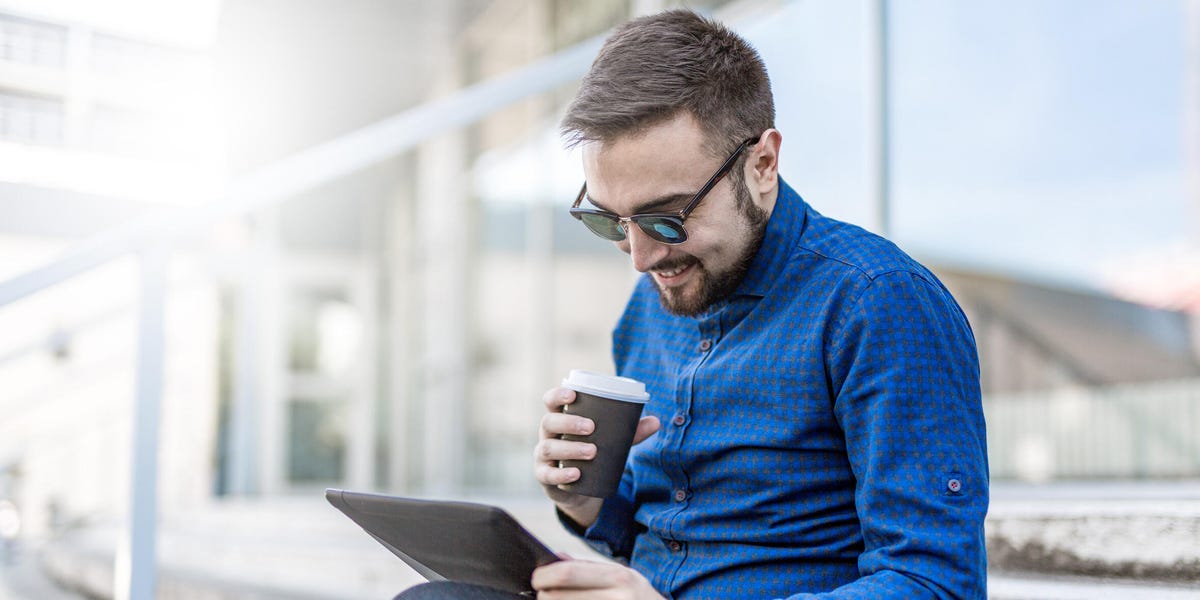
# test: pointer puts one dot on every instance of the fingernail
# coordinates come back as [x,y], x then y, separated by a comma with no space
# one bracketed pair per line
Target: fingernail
[584,428]
[565,394]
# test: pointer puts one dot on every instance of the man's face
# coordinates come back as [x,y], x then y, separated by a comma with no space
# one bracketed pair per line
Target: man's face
[659,171]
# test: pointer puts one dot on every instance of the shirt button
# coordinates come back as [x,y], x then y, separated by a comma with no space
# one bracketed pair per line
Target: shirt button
[680,495]
[678,420]
[705,344]
[674,546]
[954,485]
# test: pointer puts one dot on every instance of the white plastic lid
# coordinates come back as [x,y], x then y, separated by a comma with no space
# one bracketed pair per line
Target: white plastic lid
[609,386]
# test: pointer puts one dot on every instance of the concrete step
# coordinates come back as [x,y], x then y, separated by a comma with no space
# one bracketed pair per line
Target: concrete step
[1133,545]
[287,549]
[1132,532]
[22,578]
[1039,586]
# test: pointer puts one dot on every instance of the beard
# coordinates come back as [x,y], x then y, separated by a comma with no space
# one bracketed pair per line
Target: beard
[716,286]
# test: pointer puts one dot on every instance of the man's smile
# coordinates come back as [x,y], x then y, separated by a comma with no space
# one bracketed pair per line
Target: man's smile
[673,276]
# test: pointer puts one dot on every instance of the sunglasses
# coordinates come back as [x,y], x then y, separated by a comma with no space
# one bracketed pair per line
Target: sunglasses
[661,227]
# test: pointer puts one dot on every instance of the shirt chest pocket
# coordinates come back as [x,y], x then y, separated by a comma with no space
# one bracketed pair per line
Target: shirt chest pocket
[788,387]
[738,398]
[764,419]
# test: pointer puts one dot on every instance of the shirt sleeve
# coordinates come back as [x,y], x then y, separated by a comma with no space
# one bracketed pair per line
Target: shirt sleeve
[613,532]
[905,374]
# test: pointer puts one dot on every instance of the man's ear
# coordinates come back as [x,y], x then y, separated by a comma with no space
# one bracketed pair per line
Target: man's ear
[762,170]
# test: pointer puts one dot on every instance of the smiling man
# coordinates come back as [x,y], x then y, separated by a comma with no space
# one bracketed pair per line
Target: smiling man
[815,427]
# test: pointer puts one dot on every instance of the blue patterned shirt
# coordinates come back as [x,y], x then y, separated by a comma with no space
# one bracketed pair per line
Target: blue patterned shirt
[822,436]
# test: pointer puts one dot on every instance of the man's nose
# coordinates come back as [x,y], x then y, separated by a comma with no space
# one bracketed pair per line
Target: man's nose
[642,248]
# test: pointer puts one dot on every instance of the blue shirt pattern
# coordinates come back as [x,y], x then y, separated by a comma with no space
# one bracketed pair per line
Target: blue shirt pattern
[823,434]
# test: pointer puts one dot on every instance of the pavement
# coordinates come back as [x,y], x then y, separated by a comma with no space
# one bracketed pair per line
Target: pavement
[22,578]
[1062,542]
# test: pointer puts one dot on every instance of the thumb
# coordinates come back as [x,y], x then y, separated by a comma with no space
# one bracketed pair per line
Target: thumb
[647,427]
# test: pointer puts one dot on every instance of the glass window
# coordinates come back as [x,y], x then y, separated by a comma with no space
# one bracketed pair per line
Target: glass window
[32,42]
[31,119]
[324,333]
[316,440]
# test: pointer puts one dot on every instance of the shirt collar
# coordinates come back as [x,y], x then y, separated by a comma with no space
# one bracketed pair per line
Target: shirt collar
[784,229]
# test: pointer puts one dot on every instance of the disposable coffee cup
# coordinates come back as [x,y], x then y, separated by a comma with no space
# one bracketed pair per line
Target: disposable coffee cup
[614,404]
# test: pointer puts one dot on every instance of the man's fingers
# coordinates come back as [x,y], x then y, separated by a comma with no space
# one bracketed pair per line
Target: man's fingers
[647,427]
[552,475]
[555,424]
[581,575]
[552,450]
[555,398]
[561,575]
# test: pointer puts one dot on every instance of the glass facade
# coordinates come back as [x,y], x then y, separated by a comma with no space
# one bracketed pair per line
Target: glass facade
[30,119]
[32,42]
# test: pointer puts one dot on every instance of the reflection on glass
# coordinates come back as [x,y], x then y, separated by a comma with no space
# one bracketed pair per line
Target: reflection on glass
[316,440]
[325,331]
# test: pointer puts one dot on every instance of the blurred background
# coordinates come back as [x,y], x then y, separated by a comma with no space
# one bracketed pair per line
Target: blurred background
[251,249]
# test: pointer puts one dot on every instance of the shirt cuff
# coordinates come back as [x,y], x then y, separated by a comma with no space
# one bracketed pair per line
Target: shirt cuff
[569,524]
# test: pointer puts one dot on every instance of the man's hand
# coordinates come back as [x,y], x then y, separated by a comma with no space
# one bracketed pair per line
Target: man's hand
[552,448]
[581,579]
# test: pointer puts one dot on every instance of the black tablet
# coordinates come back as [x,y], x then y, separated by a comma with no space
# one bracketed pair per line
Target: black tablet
[456,541]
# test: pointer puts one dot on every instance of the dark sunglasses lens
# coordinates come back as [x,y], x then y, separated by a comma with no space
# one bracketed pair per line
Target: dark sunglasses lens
[663,229]
[605,227]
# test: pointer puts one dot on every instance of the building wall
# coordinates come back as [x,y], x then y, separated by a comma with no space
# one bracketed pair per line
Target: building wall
[93,112]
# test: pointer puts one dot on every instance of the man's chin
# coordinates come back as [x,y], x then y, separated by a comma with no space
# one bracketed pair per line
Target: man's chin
[685,301]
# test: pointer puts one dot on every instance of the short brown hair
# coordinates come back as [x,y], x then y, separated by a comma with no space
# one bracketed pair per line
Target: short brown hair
[653,67]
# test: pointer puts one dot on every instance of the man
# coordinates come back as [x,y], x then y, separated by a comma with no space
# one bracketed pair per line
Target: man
[815,423]
[814,427]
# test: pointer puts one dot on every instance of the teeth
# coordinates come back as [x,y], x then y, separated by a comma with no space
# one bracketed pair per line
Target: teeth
[672,272]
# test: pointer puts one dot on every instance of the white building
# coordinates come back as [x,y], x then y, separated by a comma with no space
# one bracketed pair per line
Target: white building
[98,125]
